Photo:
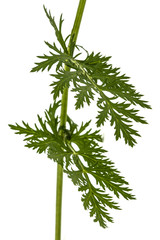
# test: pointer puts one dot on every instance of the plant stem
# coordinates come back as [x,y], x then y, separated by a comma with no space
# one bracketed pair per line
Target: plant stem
[58,202]
[77,21]
[63,119]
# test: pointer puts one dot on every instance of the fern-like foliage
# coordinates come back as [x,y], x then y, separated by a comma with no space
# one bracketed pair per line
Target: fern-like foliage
[89,160]
[39,138]
[88,167]
[95,75]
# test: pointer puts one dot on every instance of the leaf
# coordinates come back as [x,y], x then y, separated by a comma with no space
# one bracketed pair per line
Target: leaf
[94,69]
[90,160]
[40,138]
[51,117]
[85,95]
[58,31]
[49,60]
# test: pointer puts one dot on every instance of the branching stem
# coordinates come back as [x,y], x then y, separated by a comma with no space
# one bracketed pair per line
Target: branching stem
[63,119]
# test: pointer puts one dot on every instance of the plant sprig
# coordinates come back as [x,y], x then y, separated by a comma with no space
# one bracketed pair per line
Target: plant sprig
[88,167]
[79,165]
[95,75]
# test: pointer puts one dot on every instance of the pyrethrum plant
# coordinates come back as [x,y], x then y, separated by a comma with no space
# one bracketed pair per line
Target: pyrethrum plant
[116,102]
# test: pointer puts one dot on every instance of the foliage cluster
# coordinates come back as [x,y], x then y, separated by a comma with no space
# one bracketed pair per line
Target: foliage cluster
[78,149]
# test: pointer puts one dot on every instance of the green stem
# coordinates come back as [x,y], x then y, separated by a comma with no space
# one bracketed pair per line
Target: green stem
[77,22]
[63,119]
[59,201]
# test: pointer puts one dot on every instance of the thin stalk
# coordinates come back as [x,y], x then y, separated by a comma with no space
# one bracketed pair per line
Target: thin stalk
[59,201]
[63,119]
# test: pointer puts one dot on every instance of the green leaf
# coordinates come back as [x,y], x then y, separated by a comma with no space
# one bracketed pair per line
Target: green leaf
[40,138]
[51,117]
[49,60]
[85,95]
[89,162]
[35,138]
[58,31]
[95,69]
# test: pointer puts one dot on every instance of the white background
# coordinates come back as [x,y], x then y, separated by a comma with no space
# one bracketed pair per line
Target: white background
[129,31]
